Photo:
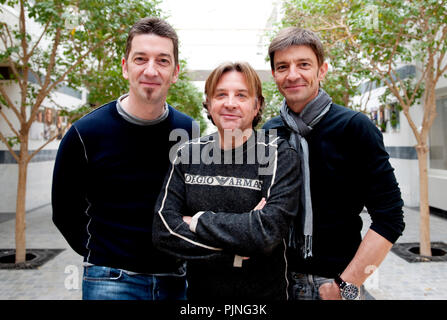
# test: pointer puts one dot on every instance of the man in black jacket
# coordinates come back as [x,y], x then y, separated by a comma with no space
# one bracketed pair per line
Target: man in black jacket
[345,167]
[109,171]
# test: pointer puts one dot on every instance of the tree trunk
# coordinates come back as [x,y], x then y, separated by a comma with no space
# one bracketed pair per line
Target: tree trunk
[20,236]
[424,227]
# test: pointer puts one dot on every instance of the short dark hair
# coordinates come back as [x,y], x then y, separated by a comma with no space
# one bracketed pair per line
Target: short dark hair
[253,82]
[294,36]
[155,26]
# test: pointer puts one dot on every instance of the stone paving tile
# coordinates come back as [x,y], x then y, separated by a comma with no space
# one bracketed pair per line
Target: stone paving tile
[395,279]
[398,279]
[49,281]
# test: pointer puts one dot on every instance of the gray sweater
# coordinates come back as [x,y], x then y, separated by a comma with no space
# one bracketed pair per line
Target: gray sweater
[220,190]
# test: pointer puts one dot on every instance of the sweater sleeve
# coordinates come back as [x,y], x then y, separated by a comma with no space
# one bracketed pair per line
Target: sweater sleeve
[259,231]
[383,198]
[169,232]
[68,195]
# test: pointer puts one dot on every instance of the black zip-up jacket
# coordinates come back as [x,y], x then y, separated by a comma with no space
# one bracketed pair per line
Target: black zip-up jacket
[107,177]
[349,170]
[222,198]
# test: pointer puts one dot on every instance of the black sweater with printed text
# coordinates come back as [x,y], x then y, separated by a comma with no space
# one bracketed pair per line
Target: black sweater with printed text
[226,189]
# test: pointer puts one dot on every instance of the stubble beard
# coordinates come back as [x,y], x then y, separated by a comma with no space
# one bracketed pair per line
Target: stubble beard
[148,93]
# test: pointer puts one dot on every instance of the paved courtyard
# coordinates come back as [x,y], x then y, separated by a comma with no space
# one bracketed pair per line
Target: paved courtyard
[60,278]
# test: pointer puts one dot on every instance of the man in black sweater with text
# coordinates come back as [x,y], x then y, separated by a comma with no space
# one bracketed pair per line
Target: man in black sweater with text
[345,167]
[110,169]
[230,197]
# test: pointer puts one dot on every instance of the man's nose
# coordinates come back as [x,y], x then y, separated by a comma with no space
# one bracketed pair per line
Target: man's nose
[231,101]
[293,73]
[150,69]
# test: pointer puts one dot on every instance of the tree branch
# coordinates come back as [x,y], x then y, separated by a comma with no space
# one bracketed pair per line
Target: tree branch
[22,28]
[24,44]
[52,62]
[10,149]
[395,46]
[16,73]
[369,96]
[8,122]
[30,156]
[73,66]
[7,35]
[37,76]
[405,108]
[38,40]
[10,104]
[439,70]
[4,38]
[418,84]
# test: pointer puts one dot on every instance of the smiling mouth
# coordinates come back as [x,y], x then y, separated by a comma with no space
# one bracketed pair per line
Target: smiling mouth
[230,116]
[149,84]
[296,86]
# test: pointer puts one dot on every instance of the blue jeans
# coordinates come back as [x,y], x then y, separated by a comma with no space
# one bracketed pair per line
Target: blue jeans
[306,286]
[104,283]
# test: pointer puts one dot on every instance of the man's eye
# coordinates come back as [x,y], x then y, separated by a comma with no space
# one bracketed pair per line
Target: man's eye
[139,60]
[164,61]
[281,68]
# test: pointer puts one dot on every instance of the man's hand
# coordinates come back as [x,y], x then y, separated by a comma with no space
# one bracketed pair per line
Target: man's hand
[260,205]
[187,219]
[330,291]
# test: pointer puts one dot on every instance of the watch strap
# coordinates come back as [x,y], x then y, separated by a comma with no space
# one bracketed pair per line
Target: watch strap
[339,281]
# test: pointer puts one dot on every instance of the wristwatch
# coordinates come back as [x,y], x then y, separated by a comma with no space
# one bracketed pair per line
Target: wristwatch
[348,290]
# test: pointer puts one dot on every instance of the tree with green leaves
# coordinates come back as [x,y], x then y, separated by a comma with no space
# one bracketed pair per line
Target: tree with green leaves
[273,101]
[377,38]
[345,75]
[71,43]
[186,97]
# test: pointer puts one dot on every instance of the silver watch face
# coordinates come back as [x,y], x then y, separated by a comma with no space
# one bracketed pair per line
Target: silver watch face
[350,292]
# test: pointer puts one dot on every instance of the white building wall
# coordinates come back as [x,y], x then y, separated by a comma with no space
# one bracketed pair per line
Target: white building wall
[400,144]
[40,169]
[38,187]
[437,179]
[406,170]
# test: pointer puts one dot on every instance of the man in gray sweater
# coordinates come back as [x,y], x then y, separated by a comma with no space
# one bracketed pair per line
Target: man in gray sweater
[229,198]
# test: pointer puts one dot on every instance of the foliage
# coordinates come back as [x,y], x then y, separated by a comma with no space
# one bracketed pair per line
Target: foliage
[186,97]
[273,101]
[371,39]
[81,46]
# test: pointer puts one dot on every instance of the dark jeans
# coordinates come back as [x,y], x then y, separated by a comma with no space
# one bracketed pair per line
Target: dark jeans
[306,286]
[104,283]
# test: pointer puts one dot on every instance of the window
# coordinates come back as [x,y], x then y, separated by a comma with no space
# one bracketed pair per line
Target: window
[386,118]
[394,117]
[438,137]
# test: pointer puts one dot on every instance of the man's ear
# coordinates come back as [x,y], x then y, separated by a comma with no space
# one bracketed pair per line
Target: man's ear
[322,71]
[176,73]
[258,105]
[124,68]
